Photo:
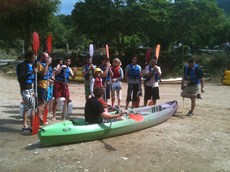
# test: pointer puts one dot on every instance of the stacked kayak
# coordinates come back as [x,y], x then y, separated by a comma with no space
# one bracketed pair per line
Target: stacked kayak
[76,130]
[226,80]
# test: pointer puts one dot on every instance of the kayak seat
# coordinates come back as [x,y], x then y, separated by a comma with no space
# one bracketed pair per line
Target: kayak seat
[78,121]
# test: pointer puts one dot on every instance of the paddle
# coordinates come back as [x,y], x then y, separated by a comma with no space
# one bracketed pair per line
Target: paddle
[157,52]
[91,50]
[106,78]
[134,116]
[35,119]
[148,54]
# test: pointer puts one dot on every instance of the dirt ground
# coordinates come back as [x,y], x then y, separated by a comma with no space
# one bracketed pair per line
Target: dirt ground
[182,144]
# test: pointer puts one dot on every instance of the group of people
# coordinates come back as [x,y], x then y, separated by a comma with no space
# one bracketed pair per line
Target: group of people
[39,83]
[100,82]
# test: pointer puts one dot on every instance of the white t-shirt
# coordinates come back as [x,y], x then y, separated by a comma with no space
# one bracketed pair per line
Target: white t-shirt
[152,82]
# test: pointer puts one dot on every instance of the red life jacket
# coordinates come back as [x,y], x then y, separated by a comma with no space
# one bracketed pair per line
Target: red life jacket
[115,71]
[98,82]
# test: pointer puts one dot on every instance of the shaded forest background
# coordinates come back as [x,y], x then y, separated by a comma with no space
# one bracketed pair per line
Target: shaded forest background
[183,28]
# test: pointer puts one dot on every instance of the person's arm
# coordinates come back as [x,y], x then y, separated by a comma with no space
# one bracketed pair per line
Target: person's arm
[73,74]
[121,74]
[59,68]
[91,86]
[202,84]
[126,73]
[106,115]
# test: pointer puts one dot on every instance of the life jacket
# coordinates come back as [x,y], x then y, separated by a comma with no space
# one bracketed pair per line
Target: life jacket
[86,68]
[115,71]
[50,72]
[133,72]
[191,75]
[63,76]
[29,69]
[106,78]
[46,76]
[98,82]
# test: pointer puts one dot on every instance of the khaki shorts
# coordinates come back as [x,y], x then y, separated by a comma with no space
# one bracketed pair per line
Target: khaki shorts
[118,92]
[190,91]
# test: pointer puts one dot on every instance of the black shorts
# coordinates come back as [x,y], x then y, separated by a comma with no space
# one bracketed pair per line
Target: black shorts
[148,92]
[42,94]
[155,93]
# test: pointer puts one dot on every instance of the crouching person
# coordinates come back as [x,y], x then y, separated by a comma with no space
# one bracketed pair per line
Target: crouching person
[94,110]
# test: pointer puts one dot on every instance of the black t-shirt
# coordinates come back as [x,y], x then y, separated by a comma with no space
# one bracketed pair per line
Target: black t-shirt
[93,109]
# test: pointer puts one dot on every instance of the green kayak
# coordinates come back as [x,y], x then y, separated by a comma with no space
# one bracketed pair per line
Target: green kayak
[76,130]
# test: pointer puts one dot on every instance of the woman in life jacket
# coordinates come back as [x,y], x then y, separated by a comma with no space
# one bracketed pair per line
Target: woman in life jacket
[117,76]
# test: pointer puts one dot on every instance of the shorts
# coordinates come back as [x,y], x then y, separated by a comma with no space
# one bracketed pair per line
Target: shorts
[117,92]
[28,99]
[49,93]
[148,92]
[190,91]
[132,92]
[155,93]
[61,90]
[42,94]
[87,90]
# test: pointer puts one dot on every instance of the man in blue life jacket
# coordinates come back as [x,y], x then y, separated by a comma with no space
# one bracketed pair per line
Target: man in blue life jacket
[42,66]
[87,72]
[61,88]
[192,80]
[133,78]
[26,74]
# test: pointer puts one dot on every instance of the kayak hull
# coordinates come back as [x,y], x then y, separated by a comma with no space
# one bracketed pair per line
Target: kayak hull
[75,130]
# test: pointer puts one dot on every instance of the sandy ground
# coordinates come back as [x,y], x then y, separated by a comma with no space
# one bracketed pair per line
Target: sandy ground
[181,144]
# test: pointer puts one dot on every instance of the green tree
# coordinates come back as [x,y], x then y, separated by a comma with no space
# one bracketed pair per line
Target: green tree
[20,18]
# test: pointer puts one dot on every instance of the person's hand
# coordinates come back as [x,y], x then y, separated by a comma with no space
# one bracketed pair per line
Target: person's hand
[64,66]
[202,90]
[123,112]
[48,60]
[182,87]
[108,64]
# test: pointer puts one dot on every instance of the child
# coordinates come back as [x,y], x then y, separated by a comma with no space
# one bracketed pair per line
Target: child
[117,75]
[96,81]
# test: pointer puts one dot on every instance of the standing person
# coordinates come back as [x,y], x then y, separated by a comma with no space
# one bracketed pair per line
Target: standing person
[96,81]
[94,110]
[87,73]
[117,76]
[191,81]
[133,78]
[61,89]
[152,73]
[105,66]
[26,74]
[42,66]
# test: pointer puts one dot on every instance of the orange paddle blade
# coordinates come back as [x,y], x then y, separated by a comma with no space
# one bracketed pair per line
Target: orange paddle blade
[45,114]
[36,43]
[158,50]
[49,44]
[136,117]
[35,125]
[107,50]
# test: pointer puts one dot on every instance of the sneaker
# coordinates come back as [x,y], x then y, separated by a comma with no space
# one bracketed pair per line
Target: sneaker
[27,130]
[190,113]
[198,96]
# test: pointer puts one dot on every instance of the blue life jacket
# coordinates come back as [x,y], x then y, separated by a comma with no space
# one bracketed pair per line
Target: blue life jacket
[156,76]
[191,75]
[106,78]
[133,72]
[50,72]
[30,78]
[46,76]
[63,76]
[86,68]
